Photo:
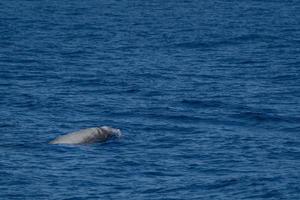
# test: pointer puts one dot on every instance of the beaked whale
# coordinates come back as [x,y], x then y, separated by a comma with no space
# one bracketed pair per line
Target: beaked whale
[87,136]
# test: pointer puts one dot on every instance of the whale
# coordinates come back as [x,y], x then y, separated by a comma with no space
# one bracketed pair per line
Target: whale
[88,136]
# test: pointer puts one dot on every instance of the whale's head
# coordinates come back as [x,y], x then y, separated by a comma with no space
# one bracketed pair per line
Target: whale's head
[112,131]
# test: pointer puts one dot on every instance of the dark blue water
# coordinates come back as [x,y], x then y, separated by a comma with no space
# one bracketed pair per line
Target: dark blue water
[206,93]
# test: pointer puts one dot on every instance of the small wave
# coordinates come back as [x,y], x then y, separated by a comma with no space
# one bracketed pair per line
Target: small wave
[198,44]
[202,103]
[223,183]
[227,41]
[259,117]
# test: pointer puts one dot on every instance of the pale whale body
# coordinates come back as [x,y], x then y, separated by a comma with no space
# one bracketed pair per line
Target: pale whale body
[87,136]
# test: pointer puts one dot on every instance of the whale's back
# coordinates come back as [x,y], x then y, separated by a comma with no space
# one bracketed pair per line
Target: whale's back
[79,137]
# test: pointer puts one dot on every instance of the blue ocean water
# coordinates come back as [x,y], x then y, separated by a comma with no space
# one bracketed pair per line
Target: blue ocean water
[206,93]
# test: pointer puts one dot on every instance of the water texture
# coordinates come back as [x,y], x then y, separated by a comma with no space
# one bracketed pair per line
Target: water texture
[206,93]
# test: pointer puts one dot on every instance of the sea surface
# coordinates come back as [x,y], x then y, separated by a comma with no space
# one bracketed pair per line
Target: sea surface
[206,93]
